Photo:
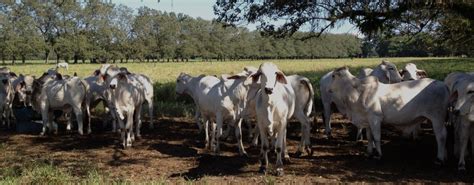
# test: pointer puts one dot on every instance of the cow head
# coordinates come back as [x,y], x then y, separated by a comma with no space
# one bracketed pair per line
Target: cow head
[340,76]
[387,72]
[463,96]
[411,72]
[269,75]
[182,82]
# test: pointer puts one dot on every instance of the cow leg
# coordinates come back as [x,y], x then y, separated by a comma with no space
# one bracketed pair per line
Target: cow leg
[137,118]
[122,133]
[370,142]
[263,151]
[216,139]
[440,133]
[471,137]
[197,115]
[285,149]
[463,139]
[359,136]
[45,117]
[375,128]
[256,136]
[279,145]
[88,114]
[327,119]
[305,142]
[150,113]
[249,127]
[238,135]
[129,128]
[206,133]
[7,115]
[78,113]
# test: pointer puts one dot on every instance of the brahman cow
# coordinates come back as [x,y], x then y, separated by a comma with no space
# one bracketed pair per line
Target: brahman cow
[275,104]
[127,99]
[51,94]
[461,87]
[386,72]
[403,104]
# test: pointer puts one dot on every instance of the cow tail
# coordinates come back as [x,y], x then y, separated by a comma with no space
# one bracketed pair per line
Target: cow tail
[86,100]
[309,104]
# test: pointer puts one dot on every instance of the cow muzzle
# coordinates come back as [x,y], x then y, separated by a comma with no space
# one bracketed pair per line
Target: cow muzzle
[268,90]
[113,86]
[456,112]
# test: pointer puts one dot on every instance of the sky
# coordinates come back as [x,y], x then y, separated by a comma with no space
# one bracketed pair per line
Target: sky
[203,9]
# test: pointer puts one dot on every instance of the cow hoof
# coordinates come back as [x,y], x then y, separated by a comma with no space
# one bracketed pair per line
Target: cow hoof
[439,162]
[377,157]
[279,172]
[262,170]
[245,155]
[286,159]
[298,153]
[461,168]
[309,151]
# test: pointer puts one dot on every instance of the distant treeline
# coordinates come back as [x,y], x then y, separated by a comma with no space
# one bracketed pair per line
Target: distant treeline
[76,31]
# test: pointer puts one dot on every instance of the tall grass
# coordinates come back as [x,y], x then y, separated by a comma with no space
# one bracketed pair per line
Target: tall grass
[164,74]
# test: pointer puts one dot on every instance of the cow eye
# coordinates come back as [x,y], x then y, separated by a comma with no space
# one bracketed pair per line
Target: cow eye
[470,92]
[177,81]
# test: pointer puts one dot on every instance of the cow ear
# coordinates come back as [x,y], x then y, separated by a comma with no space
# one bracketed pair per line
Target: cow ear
[255,77]
[453,97]
[19,86]
[235,77]
[75,74]
[5,81]
[122,76]
[96,72]
[13,74]
[421,73]
[59,76]
[280,77]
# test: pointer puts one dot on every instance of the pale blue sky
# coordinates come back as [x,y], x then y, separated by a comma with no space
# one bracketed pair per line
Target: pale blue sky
[203,9]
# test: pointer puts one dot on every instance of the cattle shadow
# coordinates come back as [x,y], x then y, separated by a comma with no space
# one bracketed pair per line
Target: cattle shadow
[210,165]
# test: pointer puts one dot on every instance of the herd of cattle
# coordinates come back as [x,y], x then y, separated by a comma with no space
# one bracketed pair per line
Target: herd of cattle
[404,99]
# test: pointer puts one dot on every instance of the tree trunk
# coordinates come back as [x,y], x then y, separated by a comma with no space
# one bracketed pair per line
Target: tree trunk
[47,56]
[121,60]
[75,58]
[23,59]
[13,60]
[113,60]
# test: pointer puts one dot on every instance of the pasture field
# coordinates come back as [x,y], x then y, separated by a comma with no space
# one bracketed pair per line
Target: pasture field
[173,151]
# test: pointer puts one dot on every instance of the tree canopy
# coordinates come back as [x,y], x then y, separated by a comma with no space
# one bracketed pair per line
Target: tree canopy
[101,31]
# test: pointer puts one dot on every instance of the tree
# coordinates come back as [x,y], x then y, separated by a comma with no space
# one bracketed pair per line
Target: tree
[369,16]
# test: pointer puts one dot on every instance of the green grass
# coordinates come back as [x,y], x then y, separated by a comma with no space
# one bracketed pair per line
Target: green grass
[164,74]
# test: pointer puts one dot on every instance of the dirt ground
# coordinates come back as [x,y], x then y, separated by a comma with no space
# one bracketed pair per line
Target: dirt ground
[173,151]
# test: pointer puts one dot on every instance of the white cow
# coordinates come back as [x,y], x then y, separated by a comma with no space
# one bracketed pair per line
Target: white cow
[97,93]
[304,95]
[127,99]
[7,95]
[462,98]
[60,94]
[364,72]
[189,85]
[108,71]
[404,104]
[275,104]
[62,65]
[386,72]
[411,72]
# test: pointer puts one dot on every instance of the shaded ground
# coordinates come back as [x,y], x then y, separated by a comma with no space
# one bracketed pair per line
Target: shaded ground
[174,151]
